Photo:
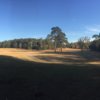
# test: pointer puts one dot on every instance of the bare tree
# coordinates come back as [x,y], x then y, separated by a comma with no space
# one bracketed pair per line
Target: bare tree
[84,42]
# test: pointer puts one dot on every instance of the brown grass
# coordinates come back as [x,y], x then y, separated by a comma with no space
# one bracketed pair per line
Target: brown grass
[29,80]
[69,56]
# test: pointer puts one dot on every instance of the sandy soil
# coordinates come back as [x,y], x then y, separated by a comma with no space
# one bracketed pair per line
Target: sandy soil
[69,56]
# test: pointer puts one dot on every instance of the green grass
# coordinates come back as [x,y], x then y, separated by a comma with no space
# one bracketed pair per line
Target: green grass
[22,80]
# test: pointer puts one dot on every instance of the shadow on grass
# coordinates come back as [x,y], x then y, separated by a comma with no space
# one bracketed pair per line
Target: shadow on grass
[23,80]
[86,55]
[64,53]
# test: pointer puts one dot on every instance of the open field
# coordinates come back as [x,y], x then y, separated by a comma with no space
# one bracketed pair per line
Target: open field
[44,75]
[69,56]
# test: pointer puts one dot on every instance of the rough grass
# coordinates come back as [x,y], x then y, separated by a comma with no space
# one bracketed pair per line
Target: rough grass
[69,56]
[25,79]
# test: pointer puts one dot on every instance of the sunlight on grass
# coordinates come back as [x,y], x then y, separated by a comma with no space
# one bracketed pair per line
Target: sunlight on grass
[69,56]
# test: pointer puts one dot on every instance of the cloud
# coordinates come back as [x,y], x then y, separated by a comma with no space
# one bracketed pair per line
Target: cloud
[88,31]
[93,29]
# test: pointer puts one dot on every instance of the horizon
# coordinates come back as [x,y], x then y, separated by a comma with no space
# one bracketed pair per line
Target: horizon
[34,18]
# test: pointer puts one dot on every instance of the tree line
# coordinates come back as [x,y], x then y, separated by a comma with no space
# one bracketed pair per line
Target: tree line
[82,43]
[56,39]
[28,43]
[85,43]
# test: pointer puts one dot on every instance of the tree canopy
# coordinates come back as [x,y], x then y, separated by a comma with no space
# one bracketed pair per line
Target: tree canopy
[58,37]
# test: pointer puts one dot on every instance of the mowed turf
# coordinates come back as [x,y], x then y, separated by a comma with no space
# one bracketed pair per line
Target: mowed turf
[29,80]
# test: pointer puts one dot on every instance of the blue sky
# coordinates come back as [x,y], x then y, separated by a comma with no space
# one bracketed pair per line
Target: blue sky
[34,18]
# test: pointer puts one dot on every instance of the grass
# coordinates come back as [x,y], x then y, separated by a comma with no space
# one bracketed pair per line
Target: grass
[69,56]
[30,80]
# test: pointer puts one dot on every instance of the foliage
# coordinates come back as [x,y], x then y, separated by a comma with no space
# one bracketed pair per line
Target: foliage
[28,43]
[54,40]
[57,37]
[96,36]
[73,45]
[95,45]
[84,42]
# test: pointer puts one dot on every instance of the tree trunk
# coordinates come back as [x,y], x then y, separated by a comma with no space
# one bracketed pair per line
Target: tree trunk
[55,46]
[61,48]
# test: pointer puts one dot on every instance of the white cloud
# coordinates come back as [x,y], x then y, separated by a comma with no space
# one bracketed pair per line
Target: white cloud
[93,29]
[88,31]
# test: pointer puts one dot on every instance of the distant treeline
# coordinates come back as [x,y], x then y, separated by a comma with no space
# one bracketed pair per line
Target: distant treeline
[28,43]
[38,44]
[56,39]
[41,44]
[85,43]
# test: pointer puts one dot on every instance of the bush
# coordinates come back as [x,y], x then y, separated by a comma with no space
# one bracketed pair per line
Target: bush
[95,45]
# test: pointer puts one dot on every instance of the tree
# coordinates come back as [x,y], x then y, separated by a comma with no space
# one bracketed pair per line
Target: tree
[84,42]
[54,33]
[95,45]
[47,43]
[62,40]
[58,37]
[96,36]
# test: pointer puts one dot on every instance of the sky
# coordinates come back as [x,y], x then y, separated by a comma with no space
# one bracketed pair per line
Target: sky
[35,18]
